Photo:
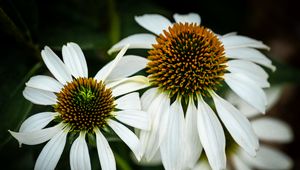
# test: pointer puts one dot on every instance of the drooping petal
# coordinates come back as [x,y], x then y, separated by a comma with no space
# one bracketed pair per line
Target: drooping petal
[135,118]
[237,124]
[273,130]
[37,121]
[127,136]
[136,41]
[158,112]
[106,70]
[127,66]
[153,22]
[172,146]
[75,60]
[40,97]
[193,145]
[44,83]
[127,85]
[148,97]
[211,135]
[238,41]
[251,70]
[273,94]
[52,151]
[247,90]
[187,18]
[105,154]
[250,54]
[56,66]
[130,101]
[268,158]
[37,136]
[238,163]
[79,154]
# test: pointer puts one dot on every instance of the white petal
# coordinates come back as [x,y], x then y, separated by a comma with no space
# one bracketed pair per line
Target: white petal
[158,112]
[127,136]
[37,136]
[237,124]
[44,83]
[75,60]
[79,154]
[52,151]
[147,98]
[153,22]
[40,97]
[172,146]
[56,66]
[187,18]
[202,165]
[127,66]
[273,130]
[268,158]
[211,135]
[106,70]
[250,54]
[251,70]
[105,154]
[37,121]
[193,145]
[129,101]
[135,118]
[127,85]
[238,41]
[238,163]
[136,41]
[247,90]
[273,94]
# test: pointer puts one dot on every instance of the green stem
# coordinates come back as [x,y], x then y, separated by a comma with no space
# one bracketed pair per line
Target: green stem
[114,28]
[122,164]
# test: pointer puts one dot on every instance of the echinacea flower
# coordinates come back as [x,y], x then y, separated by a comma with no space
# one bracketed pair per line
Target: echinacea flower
[83,105]
[269,130]
[187,65]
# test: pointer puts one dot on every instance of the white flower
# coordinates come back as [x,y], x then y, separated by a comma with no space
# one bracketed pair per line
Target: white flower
[187,64]
[268,130]
[83,105]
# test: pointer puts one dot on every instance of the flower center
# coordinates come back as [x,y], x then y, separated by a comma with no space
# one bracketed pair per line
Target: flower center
[187,59]
[85,104]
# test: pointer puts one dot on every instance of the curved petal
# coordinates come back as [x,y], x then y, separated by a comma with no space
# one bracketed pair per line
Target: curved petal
[273,130]
[127,136]
[106,156]
[239,41]
[237,124]
[247,90]
[37,136]
[187,18]
[56,66]
[193,144]
[158,112]
[153,22]
[135,118]
[129,101]
[268,158]
[44,83]
[251,70]
[40,97]
[127,85]
[202,165]
[250,54]
[172,146]
[148,97]
[211,135]
[239,164]
[75,60]
[106,70]
[273,94]
[52,151]
[79,154]
[136,41]
[127,66]
[37,121]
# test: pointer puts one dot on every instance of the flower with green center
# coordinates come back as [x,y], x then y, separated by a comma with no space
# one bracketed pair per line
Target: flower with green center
[84,105]
[188,63]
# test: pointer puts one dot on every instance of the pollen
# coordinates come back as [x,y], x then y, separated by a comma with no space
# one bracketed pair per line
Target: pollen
[85,104]
[187,59]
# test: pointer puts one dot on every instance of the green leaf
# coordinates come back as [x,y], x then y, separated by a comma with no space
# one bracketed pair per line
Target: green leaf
[285,74]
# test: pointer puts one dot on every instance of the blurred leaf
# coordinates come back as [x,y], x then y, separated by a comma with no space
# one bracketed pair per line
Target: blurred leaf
[114,19]
[121,163]
[15,109]
[285,74]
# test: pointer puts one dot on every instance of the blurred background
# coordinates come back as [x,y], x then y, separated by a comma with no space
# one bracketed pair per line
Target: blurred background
[27,26]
